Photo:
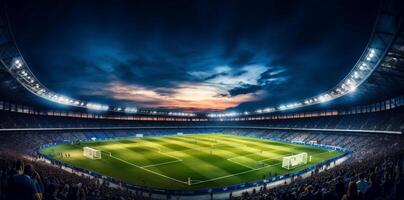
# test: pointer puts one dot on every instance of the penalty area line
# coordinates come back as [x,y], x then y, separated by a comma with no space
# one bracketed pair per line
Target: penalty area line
[240,163]
[148,170]
[245,172]
[163,163]
[236,174]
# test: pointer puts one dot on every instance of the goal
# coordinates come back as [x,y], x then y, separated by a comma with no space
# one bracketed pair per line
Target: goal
[295,160]
[91,153]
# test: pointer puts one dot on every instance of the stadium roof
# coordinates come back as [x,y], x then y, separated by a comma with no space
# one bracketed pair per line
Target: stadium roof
[382,77]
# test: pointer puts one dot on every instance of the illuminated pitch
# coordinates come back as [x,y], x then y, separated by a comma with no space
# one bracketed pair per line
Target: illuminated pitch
[189,161]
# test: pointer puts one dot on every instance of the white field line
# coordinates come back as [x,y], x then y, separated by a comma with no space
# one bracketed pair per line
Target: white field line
[231,159]
[160,152]
[148,170]
[246,155]
[163,163]
[240,164]
[248,171]
[200,148]
[144,167]
[209,180]
[276,157]
[236,174]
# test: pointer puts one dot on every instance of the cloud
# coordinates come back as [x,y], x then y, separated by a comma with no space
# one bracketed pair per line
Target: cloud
[200,97]
[244,89]
[269,52]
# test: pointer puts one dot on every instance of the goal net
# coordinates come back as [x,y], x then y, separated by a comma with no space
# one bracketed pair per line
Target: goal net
[295,160]
[91,153]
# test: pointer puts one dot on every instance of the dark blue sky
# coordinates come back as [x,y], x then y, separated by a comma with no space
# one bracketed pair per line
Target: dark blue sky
[199,55]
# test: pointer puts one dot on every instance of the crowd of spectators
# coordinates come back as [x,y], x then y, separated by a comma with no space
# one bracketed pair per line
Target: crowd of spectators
[374,172]
[26,179]
[389,120]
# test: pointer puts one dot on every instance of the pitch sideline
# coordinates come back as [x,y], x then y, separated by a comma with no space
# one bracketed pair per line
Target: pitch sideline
[203,181]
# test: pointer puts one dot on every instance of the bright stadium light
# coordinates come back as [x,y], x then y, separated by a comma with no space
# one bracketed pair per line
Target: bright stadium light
[356,75]
[182,114]
[94,106]
[351,88]
[130,110]
[282,107]
[324,98]
[18,63]
[371,54]
[363,66]
[267,110]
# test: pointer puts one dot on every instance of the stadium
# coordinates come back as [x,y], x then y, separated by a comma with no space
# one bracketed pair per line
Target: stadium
[201,100]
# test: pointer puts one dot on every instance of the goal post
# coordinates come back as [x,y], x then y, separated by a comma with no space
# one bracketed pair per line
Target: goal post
[91,153]
[294,160]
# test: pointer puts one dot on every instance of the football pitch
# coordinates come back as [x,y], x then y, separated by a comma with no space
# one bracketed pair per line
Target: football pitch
[189,161]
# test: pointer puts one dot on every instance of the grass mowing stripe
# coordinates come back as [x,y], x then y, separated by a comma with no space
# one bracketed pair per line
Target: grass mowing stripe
[210,160]
[230,175]
[164,163]
[240,163]
[151,171]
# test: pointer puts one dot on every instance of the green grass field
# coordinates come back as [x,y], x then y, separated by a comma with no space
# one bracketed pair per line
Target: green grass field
[166,162]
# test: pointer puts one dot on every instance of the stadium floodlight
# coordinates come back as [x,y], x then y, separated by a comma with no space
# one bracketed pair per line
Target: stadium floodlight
[94,106]
[324,98]
[231,114]
[356,75]
[352,88]
[282,107]
[130,110]
[371,54]
[363,66]
[41,91]
[372,51]
[24,73]
[18,63]
[182,114]
[267,110]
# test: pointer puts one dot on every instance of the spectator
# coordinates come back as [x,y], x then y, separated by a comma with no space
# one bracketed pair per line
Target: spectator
[21,186]
[362,185]
[352,193]
[36,179]
[340,187]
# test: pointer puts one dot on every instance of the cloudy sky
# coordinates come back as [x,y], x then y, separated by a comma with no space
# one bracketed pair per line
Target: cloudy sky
[193,55]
